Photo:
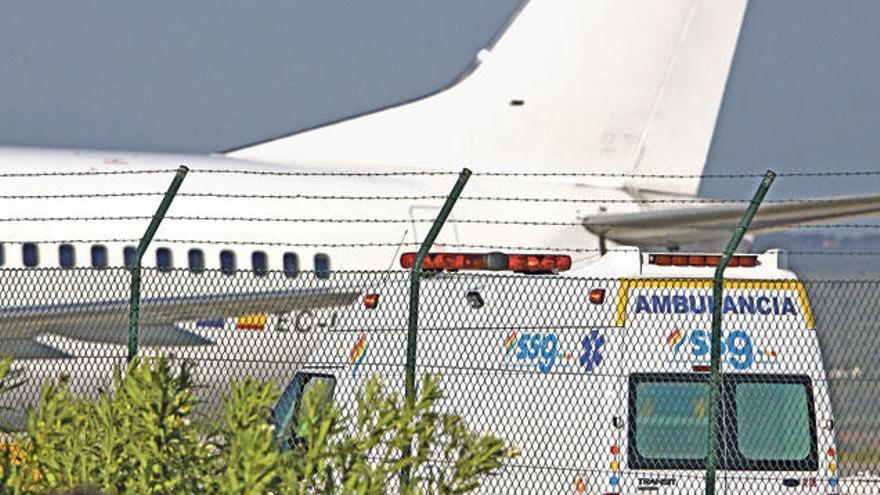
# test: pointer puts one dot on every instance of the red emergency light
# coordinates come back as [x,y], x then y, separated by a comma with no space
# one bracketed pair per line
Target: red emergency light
[523,263]
[739,260]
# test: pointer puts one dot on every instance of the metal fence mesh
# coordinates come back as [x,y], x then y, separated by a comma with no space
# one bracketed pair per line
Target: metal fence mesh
[602,384]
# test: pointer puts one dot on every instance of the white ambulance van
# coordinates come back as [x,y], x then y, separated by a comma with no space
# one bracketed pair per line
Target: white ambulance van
[600,375]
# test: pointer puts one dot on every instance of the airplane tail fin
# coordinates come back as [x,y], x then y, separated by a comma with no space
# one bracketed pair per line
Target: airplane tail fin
[571,86]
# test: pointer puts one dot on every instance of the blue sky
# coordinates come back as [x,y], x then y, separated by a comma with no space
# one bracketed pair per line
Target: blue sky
[207,75]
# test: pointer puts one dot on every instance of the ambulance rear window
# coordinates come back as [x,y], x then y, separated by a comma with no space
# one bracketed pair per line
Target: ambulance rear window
[670,423]
[768,422]
[775,422]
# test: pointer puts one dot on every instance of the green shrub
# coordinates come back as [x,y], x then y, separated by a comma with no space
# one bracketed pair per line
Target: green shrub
[366,457]
[248,461]
[6,385]
[7,453]
[138,438]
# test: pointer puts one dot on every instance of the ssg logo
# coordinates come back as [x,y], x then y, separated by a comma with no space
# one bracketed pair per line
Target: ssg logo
[738,348]
[544,351]
[675,339]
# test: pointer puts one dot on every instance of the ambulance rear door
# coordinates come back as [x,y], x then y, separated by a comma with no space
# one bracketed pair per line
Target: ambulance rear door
[769,434]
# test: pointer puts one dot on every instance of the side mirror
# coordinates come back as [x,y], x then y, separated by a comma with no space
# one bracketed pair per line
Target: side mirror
[286,415]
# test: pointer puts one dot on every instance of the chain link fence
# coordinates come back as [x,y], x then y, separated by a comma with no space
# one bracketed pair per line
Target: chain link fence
[602,384]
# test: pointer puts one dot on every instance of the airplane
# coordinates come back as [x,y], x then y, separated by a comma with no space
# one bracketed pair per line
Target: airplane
[587,124]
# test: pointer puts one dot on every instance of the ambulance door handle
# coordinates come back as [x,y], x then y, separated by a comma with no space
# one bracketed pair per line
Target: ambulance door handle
[791,482]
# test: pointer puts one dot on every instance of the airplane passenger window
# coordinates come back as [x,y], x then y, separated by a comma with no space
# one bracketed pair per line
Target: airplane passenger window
[99,256]
[259,262]
[66,256]
[196,260]
[163,260]
[29,255]
[128,255]
[322,265]
[227,262]
[291,264]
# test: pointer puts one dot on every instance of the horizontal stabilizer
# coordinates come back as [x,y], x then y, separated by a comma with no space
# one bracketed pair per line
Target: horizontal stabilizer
[148,335]
[675,228]
[29,349]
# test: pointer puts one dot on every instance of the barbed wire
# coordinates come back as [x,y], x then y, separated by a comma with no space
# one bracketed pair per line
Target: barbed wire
[78,219]
[287,220]
[71,241]
[423,173]
[423,197]
[439,197]
[207,242]
[623,175]
[83,173]
[524,199]
[230,242]
[834,226]
[626,175]
[303,173]
[80,195]
[834,253]
[463,221]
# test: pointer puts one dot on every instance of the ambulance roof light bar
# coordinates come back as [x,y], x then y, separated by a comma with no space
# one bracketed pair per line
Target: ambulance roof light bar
[669,259]
[522,263]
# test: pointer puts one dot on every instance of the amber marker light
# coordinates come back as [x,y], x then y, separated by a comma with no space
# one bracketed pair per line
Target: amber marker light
[371,301]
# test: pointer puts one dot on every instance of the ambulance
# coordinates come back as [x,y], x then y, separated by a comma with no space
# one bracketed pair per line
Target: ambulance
[599,375]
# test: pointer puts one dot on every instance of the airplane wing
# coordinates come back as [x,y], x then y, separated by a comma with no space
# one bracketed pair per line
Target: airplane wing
[107,321]
[677,227]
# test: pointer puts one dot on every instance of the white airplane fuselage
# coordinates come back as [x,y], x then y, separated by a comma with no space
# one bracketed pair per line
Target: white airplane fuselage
[285,213]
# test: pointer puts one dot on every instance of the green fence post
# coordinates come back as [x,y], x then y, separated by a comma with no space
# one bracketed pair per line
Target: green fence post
[135,301]
[414,278]
[717,294]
